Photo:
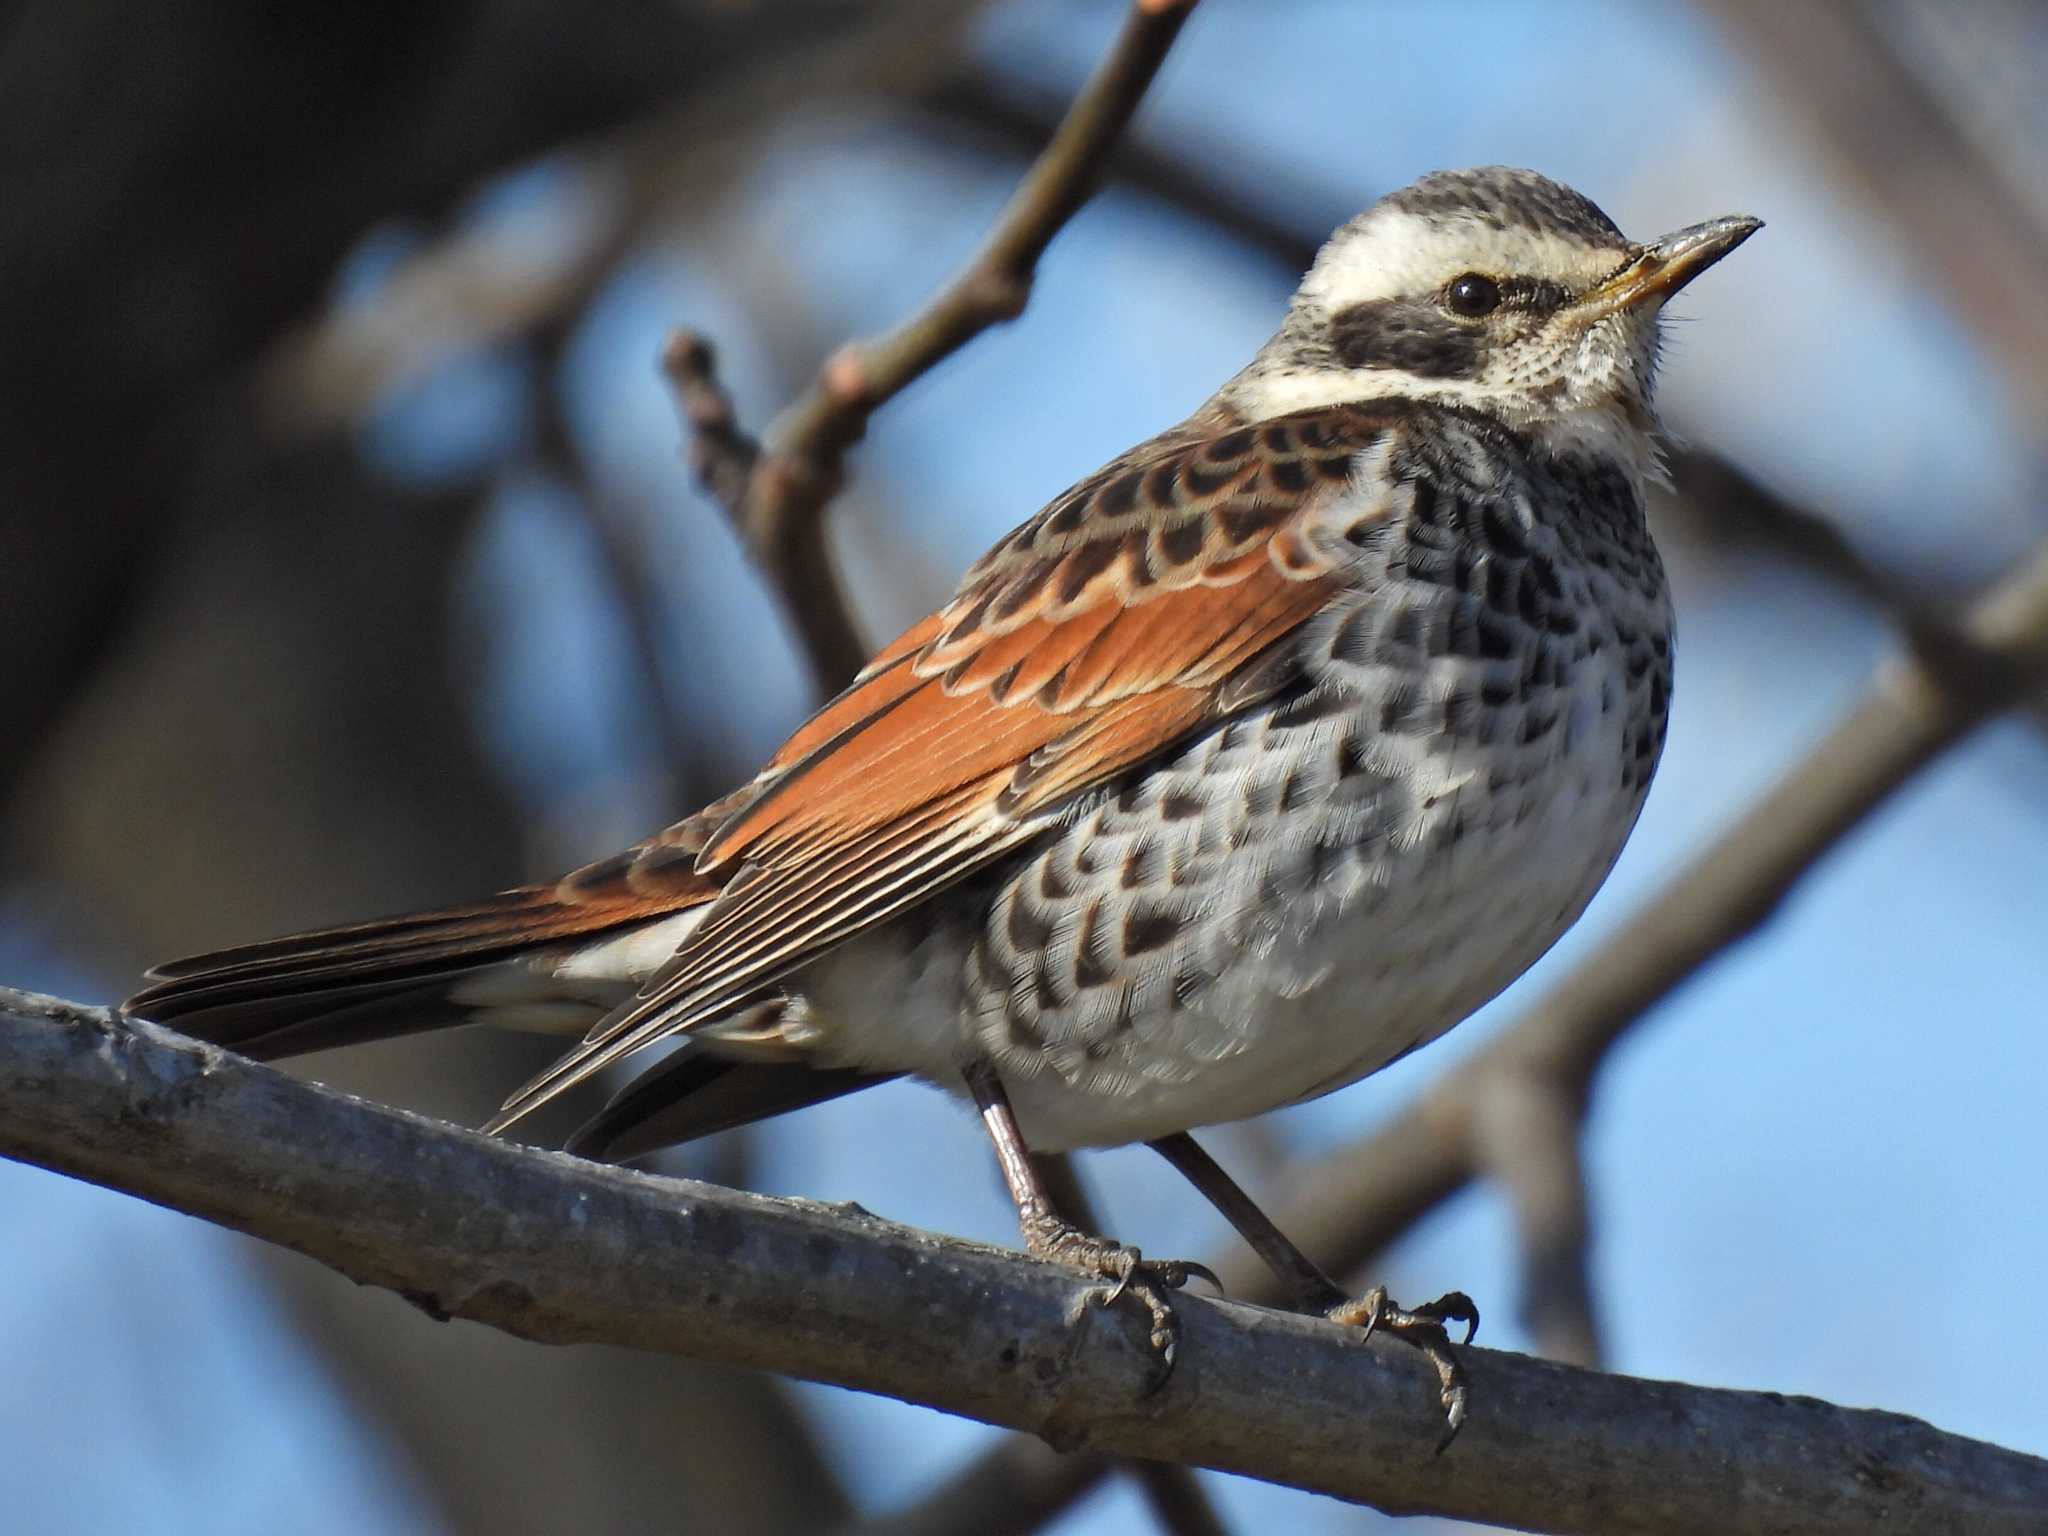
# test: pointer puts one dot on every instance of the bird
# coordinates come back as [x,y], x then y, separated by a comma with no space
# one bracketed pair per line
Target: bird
[1253,762]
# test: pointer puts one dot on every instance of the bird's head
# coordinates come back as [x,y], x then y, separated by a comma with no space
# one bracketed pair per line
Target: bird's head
[1496,289]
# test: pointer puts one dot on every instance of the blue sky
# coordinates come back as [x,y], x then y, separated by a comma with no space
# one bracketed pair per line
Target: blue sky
[1812,1168]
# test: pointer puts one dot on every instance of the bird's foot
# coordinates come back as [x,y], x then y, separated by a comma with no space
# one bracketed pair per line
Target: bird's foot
[1422,1327]
[1147,1281]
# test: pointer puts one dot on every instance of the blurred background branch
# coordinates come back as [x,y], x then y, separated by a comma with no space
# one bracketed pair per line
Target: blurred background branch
[777,497]
[1858,80]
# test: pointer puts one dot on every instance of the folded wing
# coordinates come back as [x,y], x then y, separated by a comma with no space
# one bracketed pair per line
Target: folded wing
[1139,608]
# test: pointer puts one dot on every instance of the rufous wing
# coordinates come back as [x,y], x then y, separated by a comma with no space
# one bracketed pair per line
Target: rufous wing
[1121,620]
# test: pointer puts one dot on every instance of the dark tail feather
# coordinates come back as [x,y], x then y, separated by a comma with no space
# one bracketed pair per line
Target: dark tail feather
[348,985]
[274,1024]
[693,1093]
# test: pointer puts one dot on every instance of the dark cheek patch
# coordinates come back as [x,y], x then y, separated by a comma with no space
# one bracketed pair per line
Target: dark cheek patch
[1415,338]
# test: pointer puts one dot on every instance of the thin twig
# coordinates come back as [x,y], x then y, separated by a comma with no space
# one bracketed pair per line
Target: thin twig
[777,493]
[1015,118]
[558,1250]
[1528,1143]
[487,287]
[621,556]
[1016,1487]
[1180,1505]
[1892,141]
[1737,507]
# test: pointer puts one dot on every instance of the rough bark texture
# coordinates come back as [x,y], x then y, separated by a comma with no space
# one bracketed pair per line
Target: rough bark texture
[561,1251]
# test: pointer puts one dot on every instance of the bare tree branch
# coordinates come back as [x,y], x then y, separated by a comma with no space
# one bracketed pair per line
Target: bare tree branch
[1013,118]
[1013,1489]
[1892,140]
[1733,508]
[777,494]
[558,1250]
[1526,1137]
[1179,1504]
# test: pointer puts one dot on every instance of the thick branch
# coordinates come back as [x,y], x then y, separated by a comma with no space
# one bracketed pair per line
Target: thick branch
[777,493]
[558,1250]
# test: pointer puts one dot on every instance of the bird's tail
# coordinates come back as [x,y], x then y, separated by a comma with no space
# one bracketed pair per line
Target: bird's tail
[367,981]
[428,970]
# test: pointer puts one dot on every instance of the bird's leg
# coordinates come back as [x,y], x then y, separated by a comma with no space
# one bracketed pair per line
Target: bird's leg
[1051,1236]
[1316,1293]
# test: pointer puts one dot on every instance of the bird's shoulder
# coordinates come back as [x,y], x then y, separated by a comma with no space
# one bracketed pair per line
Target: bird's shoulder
[1219,481]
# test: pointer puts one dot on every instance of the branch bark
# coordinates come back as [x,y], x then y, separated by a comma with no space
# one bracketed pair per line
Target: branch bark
[557,1250]
[776,493]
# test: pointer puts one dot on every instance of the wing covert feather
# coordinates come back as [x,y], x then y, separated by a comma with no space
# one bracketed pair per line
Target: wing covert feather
[1095,637]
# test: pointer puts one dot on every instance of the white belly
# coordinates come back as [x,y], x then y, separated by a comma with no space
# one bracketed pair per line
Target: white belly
[1324,925]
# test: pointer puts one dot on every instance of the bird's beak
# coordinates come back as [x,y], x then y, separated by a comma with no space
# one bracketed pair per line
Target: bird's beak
[1662,267]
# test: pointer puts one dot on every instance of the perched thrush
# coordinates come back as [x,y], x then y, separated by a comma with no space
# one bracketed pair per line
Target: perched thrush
[1261,757]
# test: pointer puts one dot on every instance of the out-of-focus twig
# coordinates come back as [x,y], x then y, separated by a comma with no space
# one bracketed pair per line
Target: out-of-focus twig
[483,287]
[1734,508]
[622,556]
[727,462]
[1178,1503]
[1525,1137]
[776,493]
[1016,1487]
[1891,139]
[1015,118]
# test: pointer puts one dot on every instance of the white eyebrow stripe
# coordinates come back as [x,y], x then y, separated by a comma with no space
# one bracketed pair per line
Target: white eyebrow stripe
[1390,254]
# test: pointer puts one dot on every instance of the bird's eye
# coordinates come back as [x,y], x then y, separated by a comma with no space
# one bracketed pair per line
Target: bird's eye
[1472,296]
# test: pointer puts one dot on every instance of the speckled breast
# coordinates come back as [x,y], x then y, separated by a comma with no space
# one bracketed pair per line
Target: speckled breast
[1294,899]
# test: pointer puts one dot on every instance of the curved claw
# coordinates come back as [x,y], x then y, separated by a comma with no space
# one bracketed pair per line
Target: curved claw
[1455,1400]
[1127,1273]
[1457,1307]
[1118,1265]
[1364,1313]
[1149,1286]
[1423,1327]
[1176,1273]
